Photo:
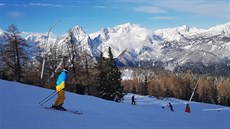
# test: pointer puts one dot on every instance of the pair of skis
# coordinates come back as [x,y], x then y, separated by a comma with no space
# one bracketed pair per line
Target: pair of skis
[67,110]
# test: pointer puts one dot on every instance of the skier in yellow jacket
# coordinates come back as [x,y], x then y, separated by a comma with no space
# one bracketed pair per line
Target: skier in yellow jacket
[61,82]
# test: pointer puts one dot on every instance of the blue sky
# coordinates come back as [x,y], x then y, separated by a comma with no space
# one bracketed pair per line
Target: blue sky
[93,15]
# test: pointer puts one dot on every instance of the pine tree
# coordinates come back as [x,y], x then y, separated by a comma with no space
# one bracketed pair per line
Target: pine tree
[144,86]
[109,78]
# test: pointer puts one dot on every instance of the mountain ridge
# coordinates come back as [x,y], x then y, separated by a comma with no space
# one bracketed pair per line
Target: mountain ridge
[136,46]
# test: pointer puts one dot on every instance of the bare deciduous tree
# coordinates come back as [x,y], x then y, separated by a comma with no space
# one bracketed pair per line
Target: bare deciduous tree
[14,53]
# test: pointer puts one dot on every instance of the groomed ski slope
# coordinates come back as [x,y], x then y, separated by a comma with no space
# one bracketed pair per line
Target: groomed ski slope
[19,109]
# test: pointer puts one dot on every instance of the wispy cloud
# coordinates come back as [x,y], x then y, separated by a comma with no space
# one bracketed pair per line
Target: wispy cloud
[162,18]
[43,5]
[100,7]
[14,14]
[200,7]
[149,9]
[213,8]
[1,4]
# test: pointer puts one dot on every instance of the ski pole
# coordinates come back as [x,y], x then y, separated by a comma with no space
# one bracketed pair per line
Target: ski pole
[46,97]
[51,97]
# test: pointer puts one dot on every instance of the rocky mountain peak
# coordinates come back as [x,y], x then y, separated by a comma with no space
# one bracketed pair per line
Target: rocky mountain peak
[171,48]
[77,30]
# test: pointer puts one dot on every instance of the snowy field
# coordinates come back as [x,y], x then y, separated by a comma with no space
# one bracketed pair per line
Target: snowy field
[19,109]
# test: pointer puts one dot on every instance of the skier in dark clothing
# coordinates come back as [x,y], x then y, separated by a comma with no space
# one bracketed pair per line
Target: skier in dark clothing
[187,109]
[171,107]
[117,98]
[133,100]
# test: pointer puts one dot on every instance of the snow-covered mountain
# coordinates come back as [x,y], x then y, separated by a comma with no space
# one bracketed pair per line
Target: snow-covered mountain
[180,49]
[20,109]
[79,39]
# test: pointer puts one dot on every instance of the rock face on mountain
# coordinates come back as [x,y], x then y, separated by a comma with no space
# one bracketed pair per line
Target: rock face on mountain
[176,49]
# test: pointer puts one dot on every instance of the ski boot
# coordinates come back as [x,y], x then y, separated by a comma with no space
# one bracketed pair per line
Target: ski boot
[59,107]
[54,107]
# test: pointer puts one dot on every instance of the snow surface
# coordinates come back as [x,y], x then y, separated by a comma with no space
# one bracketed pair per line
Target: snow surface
[19,109]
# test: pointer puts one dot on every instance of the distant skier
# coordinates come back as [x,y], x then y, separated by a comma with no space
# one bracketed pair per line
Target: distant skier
[133,100]
[61,82]
[116,98]
[122,100]
[187,109]
[171,107]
